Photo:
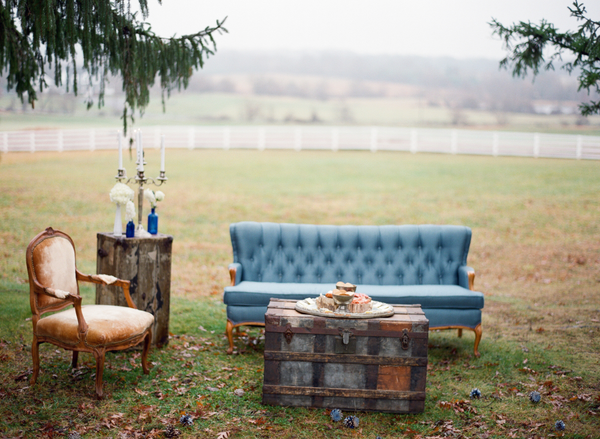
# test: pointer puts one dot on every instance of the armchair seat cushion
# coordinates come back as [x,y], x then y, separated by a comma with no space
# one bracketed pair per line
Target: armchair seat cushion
[107,325]
[249,293]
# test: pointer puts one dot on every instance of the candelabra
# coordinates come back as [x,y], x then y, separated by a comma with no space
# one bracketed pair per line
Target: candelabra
[140,177]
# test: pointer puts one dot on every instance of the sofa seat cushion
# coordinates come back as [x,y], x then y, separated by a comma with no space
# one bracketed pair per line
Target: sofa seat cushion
[248,293]
[438,317]
[107,325]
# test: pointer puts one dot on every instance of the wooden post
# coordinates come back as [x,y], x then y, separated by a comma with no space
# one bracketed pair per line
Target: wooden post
[146,263]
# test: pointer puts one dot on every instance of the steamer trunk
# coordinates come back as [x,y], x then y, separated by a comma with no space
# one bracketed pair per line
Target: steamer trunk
[353,364]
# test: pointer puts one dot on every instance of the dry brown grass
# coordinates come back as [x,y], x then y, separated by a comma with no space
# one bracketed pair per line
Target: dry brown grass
[535,244]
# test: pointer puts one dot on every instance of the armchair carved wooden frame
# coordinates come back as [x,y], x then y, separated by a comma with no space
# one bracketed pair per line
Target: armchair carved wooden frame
[53,285]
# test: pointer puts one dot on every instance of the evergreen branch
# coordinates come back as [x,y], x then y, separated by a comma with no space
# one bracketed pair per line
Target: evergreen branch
[36,33]
[526,43]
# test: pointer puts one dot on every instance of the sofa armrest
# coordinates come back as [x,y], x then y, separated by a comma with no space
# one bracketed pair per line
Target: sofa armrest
[235,272]
[466,277]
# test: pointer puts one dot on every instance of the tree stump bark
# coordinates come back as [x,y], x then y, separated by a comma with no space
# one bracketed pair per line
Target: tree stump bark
[146,263]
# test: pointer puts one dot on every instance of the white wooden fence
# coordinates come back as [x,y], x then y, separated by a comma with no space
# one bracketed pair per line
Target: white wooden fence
[494,143]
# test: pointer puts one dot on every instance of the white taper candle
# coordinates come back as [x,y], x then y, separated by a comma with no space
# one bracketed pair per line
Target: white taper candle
[137,150]
[141,152]
[162,153]
[120,151]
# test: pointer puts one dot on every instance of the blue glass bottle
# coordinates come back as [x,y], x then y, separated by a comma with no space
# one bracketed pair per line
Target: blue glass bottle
[153,222]
[130,230]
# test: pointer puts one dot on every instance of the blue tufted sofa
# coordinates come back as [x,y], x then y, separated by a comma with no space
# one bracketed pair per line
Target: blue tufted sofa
[405,264]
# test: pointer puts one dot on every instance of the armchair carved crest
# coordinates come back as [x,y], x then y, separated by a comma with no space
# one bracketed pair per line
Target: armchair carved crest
[53,286]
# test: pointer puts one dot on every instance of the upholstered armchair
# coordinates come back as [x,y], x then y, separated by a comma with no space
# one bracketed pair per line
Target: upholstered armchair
[53,286]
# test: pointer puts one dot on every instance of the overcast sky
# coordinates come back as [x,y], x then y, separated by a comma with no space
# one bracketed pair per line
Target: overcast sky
[455,28]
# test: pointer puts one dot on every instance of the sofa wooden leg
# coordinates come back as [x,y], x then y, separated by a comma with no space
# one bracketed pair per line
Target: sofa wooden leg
[478,331]
[229,332]
[459,332]
[239,332]
[35,355]
[147,342]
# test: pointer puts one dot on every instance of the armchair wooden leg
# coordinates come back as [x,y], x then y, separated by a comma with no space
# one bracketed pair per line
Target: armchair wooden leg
[229,332]
[75,358]
[459,332]
[147,342]
[35,355]
[99,371]
[478,331]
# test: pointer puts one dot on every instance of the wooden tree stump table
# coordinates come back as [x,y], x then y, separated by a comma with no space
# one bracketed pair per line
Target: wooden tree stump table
[146,263]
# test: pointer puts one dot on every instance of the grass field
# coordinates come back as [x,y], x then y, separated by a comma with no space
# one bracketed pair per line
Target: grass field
[535,250]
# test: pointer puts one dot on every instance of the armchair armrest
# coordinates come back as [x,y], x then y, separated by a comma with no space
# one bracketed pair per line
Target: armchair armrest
[59,294]
[104,279]
[82,326]
[466,277]
[235,272]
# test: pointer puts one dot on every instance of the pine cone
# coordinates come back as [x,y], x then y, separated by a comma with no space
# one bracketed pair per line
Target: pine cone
[186,420]
[171,432]
[351,422]
[336,415]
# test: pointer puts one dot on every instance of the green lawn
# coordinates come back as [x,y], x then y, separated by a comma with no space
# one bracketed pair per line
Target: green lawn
[535,250]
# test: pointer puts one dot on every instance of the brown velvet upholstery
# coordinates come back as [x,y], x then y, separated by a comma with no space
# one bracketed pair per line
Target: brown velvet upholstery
[107,325]
[53,285]
[54,265]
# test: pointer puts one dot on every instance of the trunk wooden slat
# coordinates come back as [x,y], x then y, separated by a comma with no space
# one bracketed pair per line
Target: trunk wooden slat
[364,364]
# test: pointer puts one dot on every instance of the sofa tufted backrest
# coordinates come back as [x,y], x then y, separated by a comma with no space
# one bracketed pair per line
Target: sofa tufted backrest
[367,255]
